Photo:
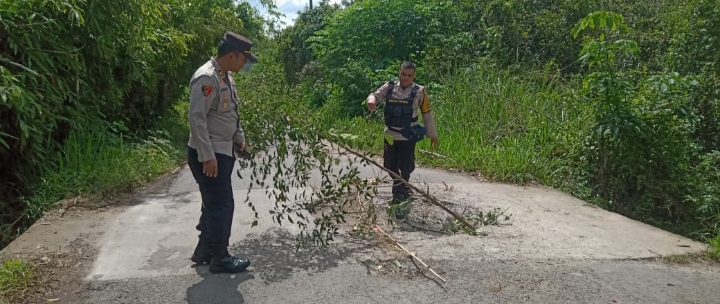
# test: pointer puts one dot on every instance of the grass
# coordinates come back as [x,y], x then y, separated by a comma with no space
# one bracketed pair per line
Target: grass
[714,247]
[15,276]
[97,163]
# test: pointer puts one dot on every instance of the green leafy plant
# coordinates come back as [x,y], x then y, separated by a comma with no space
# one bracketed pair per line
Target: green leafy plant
[714,249]
[15,276]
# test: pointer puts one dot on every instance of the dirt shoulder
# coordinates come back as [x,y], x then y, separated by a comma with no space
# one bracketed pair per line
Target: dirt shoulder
[62,245]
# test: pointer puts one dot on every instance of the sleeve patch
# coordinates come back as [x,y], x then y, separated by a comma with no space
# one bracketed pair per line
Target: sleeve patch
[425,103]
[206,89]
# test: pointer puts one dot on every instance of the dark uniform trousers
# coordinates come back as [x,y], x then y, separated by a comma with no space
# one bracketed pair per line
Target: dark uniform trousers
[218,203]
[399,157]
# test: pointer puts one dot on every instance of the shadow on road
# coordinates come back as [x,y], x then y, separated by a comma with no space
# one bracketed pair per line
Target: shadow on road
[217,288]
[274,259]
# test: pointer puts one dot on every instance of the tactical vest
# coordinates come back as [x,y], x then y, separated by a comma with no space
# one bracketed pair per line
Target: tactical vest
[399,112]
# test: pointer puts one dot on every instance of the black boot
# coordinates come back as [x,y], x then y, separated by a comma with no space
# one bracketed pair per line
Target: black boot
[202,255]
[398,199]
[228,264]
[400,214]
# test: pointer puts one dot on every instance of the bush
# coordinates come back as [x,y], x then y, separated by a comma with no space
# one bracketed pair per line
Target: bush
[641,158]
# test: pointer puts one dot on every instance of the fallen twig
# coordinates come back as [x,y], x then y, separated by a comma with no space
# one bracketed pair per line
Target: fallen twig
[432,199]
[425,228]
[377,228]
[432,153]
[429,278]
[68,206]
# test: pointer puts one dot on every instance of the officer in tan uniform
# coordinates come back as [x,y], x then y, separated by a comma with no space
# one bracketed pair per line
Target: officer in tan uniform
[215,139]
[402,130]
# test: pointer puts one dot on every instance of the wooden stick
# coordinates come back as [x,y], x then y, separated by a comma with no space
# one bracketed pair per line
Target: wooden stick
[410,253]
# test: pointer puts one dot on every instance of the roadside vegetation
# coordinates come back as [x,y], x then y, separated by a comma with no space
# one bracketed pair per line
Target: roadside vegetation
[92,95]
[615,102]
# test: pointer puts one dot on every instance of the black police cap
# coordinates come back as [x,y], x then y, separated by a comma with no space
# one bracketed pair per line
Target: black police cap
[235,42]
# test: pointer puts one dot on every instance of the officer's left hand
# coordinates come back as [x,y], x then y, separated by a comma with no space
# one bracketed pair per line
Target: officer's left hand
[239,148]
[433,142]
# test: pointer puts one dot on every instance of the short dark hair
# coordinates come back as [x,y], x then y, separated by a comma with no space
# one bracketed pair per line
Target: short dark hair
[224,49]
[407,65]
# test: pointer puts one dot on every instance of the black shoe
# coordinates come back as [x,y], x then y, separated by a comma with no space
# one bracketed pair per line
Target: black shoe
[201,258]
[399,214]
[201,255]
[400,209]
[400,197]
[228,264]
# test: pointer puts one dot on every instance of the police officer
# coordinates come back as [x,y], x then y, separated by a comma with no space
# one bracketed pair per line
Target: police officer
[402,130]
[215,140]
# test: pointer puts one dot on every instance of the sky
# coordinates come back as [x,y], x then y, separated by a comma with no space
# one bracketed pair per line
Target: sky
[288,7]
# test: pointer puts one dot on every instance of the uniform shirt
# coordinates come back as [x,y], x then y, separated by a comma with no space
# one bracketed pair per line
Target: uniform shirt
[213,115]
[421,102]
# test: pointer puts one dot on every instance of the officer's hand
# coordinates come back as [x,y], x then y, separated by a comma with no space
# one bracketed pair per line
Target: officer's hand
[210,168]
[239,148]
[371,105]
[433,142]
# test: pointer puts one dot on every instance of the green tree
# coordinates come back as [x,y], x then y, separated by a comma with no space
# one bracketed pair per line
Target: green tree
[364,39]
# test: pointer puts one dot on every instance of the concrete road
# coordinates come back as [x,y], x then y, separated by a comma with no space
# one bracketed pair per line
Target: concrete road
[554,249]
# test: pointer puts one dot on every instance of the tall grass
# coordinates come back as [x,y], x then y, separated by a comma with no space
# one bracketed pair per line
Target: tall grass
[98,163]
[512,129]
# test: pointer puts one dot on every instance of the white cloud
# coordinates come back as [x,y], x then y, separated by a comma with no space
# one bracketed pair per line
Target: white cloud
[289,8]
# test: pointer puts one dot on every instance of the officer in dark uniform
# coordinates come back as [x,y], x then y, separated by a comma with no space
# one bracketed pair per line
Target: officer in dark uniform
[403,101]
[215,140]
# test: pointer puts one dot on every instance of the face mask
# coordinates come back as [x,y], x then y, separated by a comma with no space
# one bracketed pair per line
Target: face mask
[246,68]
